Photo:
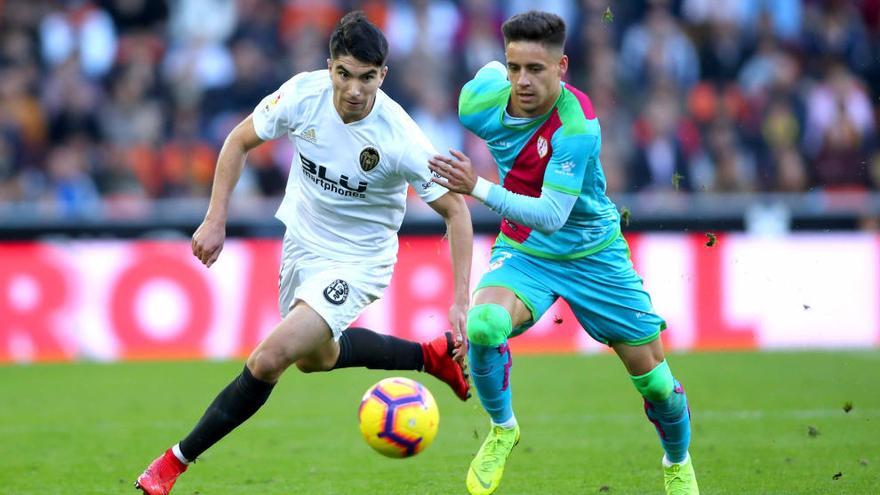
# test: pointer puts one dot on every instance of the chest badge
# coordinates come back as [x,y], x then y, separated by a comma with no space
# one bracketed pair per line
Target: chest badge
[542,146]
[369,158]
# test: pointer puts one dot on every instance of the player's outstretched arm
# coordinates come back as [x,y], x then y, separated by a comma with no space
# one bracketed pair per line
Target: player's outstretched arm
[460,230]
[546,213]
[207,241]
[456,170]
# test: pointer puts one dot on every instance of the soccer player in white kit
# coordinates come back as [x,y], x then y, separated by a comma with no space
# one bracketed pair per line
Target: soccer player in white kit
[356,152]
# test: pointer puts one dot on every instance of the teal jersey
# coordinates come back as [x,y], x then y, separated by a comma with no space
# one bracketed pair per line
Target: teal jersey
[558,151]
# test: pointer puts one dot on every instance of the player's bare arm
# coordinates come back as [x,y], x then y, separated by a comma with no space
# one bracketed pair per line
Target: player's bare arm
[207,241]
[460,231]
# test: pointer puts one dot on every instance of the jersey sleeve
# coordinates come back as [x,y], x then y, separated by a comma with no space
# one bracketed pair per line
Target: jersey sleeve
[546,213]
[570,161]
[276,114]
[413,165]
[481,98]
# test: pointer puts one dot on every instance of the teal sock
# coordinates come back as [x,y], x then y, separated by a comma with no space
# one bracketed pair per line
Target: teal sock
[672,419]
[490,370]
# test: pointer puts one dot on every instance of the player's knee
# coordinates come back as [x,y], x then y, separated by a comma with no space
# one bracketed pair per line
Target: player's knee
[306,366]
[312,365]
[657,384]
[268,363]
[488,324]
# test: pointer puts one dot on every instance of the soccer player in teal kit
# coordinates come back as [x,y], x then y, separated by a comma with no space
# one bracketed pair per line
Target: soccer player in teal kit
[560,237]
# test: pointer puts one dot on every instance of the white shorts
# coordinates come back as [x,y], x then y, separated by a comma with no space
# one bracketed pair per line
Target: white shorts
[337,290]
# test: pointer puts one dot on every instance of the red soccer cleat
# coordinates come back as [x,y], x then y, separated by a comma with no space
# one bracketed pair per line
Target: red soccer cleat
[437,355]
[160,475]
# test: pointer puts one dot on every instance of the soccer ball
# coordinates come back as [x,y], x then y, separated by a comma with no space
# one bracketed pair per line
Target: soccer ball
[398,417]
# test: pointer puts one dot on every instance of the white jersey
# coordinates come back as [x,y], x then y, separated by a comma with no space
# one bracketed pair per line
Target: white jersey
[346,194]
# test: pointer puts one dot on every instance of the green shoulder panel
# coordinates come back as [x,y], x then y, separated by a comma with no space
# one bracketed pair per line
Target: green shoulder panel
[480,101]
[571,114]
[477,96]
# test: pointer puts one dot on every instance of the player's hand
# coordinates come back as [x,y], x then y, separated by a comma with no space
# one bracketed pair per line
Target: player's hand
[456,172]
[207,242]
[458,320]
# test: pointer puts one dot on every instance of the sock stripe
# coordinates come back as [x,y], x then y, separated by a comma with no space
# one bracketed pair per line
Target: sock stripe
[502,349]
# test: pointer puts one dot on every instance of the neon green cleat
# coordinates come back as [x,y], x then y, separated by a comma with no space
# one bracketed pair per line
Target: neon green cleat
[484,474]
[680,479]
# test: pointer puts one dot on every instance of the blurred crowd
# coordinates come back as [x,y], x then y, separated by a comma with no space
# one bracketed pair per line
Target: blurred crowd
[132,99]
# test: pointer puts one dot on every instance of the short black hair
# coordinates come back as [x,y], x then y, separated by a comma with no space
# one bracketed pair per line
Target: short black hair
[355,35]
[537,26]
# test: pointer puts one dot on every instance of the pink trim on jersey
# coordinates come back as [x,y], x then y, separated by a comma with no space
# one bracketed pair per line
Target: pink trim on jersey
[584,100]
[527,174]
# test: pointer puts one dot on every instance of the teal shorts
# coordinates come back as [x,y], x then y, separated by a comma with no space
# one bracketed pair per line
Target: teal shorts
[603,290]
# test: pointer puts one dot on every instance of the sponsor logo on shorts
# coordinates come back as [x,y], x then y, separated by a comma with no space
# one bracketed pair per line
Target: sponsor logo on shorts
[369,158]
[337,292]
[500,261]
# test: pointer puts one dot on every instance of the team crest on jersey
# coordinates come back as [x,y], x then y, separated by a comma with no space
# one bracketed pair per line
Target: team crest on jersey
[369,158]
[337,292]
[542,146]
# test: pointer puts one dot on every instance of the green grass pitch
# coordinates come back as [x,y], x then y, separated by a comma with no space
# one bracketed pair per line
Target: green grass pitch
[763,423]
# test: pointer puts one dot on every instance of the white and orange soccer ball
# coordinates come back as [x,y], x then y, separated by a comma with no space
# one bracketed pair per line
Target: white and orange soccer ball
[398,417]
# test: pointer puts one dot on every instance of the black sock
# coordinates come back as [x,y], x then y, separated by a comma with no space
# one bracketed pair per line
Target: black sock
[366,348]
[235,404]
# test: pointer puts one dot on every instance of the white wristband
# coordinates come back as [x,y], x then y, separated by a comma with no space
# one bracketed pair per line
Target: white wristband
[481,189]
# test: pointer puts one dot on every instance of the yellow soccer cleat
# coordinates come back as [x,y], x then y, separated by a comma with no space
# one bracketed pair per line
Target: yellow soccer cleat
[484,474]
[679,479]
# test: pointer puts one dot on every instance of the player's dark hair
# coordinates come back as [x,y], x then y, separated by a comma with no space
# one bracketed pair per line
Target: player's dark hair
[540,27]
[355,35]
